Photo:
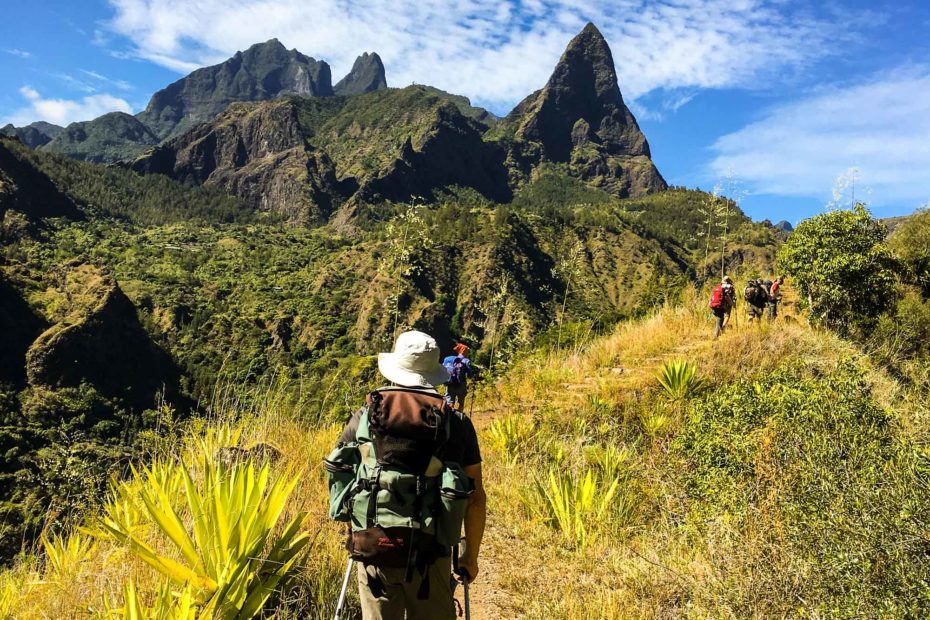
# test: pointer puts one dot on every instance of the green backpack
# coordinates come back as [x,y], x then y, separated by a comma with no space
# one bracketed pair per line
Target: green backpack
[404,503]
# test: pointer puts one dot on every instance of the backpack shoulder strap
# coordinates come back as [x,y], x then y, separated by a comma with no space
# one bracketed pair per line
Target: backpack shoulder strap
[362,433]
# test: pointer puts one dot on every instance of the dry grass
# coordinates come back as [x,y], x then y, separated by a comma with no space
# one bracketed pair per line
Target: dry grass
[598,407]
[653,565]
[79,586]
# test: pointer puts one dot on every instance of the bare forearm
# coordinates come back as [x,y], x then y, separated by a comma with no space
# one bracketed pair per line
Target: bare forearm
[475,519]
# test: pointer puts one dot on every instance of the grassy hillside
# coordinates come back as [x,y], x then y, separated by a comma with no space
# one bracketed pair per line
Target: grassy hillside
[791,482]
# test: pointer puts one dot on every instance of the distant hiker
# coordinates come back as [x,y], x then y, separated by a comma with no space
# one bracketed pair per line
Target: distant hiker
[459,368]
[406,475]
[730,291]
[756,298]
[721,304]
[775,297]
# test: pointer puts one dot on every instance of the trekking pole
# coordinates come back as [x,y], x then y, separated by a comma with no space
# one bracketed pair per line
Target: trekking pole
[340,604]
[461,572]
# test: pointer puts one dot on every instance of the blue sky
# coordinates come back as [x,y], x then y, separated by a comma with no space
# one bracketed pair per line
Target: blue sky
[774,100]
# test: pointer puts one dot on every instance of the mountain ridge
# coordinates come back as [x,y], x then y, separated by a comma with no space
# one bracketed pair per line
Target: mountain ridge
[263,71]
[398,145]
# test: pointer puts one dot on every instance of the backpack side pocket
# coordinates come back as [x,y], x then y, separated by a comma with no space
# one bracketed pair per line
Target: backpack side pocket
[341,468]
[454,490]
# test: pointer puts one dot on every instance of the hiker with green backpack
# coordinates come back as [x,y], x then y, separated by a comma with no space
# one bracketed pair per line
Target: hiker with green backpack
[756,299]
[405,477]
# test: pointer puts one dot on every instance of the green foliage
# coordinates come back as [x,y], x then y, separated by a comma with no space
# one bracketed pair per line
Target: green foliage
[232,556]
[576,505]
[910,243]
[842,268]
[679,379]
[512,436]
[554,194]
[809,466]
[117,192]
[903,333]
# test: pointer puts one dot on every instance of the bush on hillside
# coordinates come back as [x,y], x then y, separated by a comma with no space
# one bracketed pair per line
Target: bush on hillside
[843,269]
[829,505]
[911,244]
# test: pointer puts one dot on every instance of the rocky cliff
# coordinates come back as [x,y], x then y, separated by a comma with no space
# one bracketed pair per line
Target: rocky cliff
[303,157]
[579,118]
[257,152]
[100,341]
[367,74]
[264,71]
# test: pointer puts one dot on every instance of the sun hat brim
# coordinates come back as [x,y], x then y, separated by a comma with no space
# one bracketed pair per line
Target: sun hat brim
[395,369]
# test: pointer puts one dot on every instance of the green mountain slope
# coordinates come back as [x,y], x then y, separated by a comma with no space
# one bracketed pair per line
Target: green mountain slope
[110,138]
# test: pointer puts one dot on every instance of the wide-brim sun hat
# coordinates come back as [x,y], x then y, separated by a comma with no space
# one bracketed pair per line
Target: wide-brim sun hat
[414,362]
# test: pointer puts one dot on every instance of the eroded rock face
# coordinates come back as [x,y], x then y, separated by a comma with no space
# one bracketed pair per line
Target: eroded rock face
[257,152]
[367,75]
[579,118]
[449,152]
[101,342]
[264,71]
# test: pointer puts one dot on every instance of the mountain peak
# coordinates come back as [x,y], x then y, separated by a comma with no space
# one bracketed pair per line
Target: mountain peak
[263,71]
[579,116]
[367,75]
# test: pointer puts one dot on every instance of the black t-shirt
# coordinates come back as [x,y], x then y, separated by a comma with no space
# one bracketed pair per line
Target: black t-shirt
[462,447]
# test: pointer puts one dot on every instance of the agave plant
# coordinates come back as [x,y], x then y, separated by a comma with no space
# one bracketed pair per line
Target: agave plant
[221,528]
[64,555]
[510,434]
[167,605]
[610,460]
[575,505]
[679,379]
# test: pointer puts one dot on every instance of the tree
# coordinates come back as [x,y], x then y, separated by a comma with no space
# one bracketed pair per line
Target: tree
[844,271]
[911,245]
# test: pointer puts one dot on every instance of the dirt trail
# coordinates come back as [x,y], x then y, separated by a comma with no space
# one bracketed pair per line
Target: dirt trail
[490,596]
[489,599]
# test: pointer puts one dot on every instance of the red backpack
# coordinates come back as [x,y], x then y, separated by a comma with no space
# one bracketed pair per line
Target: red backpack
[718,300]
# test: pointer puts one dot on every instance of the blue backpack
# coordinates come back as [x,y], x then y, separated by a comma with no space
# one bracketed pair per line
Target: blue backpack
[457,368]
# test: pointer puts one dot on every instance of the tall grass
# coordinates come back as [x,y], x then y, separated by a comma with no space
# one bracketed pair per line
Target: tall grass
[730,527]
[218,524]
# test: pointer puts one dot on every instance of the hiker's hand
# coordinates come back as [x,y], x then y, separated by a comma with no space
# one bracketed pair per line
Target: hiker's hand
[469,565]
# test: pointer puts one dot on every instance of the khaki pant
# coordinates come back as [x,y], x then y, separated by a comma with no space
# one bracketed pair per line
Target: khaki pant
[395,596]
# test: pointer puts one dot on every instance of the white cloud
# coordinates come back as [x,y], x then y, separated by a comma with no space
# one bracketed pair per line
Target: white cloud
[120,84]
[495,51]
[18,52]
[64,111]
[879,127]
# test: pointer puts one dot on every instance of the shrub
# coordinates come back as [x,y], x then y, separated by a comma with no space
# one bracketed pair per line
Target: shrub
[843,269]
[576,505]
[808,470]
[510,435]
